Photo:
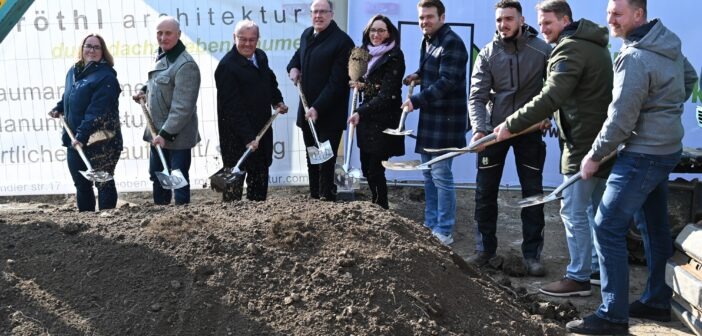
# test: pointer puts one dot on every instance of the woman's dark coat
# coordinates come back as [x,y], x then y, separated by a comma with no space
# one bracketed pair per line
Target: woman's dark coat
[379,107]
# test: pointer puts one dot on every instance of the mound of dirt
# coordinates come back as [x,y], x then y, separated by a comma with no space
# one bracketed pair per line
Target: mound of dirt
[287,266]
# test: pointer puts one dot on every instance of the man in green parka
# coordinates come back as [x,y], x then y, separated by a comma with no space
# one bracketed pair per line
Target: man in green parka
[577,92]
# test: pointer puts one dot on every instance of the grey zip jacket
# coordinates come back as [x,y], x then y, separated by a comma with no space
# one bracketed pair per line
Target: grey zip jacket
[506,75]
[652,80]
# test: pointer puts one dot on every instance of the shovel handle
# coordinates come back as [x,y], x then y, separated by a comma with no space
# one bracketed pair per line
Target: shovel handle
[349,146]
[149,121]
[163,158]
[241,159]
[306,107]
[154,133]
[577,176]
[266,126]
[78,148]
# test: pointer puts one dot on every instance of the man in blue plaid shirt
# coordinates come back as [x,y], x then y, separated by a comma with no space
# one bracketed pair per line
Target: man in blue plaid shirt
[444,110]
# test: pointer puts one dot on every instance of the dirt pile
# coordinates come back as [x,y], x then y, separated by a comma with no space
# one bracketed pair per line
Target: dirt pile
[288,266]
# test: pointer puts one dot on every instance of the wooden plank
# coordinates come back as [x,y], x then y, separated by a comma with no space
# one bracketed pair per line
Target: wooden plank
[687,318]
[690,241]
[684,283]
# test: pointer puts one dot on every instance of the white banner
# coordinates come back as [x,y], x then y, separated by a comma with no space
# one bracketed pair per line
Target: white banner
[475,22]
[43,45]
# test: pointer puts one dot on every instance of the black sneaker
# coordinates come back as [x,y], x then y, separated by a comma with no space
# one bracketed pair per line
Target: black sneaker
[593,325]
[479,259]
[639,309]
[595,279]
[534,267]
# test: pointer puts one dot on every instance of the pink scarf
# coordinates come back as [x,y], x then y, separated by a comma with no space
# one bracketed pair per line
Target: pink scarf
[376,52]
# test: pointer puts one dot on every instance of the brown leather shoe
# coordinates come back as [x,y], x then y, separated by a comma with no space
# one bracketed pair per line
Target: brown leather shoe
[567,287]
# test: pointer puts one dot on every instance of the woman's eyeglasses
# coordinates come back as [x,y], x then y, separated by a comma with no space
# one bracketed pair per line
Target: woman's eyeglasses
[378,30]
[94,47]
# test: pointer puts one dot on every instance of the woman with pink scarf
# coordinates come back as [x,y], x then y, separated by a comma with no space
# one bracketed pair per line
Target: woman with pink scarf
[379,108]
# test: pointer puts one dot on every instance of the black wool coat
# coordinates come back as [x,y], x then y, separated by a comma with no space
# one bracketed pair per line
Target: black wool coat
[380,106]
[323,61]
[245,96]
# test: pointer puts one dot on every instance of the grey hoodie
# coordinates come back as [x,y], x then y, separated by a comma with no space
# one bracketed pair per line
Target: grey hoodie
[506,76]
[652,80]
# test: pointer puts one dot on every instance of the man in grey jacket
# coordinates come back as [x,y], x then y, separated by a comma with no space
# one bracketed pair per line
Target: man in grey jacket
[171,91]
[508,73]
[652,80]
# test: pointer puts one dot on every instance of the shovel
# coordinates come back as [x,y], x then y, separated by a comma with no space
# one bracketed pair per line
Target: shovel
[487,140]
[344,177]
[323,151]
[236,171]
[173,180]
[90,174]
[400,130]
[554,195]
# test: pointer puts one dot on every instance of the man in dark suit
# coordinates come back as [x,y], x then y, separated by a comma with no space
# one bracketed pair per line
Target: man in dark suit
[320,65]
[246,90]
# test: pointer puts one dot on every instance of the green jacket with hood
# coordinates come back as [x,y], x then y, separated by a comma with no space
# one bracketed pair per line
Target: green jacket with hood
[577,92]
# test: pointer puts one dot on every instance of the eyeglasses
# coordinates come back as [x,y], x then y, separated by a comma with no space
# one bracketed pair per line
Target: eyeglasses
[320,11]
[378,31]
[94,47]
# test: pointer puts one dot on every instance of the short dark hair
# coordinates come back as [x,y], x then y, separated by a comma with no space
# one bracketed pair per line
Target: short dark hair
[440,9]
[560,8]
[392,30]
[510,4]
[639,4]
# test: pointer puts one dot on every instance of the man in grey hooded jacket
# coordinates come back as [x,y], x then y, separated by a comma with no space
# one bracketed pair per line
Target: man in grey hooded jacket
[508,72]
[652,80]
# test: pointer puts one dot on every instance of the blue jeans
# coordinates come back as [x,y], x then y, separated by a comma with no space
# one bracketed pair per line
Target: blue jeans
[176,159]
[440,196]
[102,158]
[637,181]
[580,201]
[529,153]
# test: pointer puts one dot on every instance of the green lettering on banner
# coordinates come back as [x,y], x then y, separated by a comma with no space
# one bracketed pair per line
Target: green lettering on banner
[696,94]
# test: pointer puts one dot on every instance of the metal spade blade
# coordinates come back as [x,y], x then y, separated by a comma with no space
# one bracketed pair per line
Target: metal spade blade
[90,174]
[400,130]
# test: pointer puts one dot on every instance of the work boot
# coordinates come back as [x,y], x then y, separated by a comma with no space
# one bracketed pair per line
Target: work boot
[567,287]
[534,267]
[639,309]
[480,259]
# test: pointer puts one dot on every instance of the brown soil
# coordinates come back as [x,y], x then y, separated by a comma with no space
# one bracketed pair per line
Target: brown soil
[287,266]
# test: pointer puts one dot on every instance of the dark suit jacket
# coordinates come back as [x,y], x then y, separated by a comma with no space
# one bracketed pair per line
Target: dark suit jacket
[245,95]
[323,61]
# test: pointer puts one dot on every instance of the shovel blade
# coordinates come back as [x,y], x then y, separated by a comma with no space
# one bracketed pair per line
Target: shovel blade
[175,180]
[536,200]
[96,176]
[398,132]
[321,154]
[347,181]
[405,165]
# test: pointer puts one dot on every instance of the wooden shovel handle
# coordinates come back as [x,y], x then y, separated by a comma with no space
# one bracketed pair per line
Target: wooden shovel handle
[149,121]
